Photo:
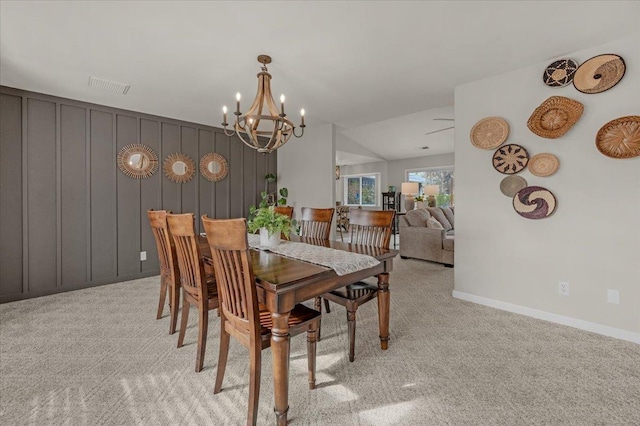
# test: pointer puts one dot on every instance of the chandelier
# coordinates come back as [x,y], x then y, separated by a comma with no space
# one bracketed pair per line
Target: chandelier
[258,130]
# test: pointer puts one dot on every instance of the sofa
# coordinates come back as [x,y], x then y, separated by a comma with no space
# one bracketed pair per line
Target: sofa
[428,234]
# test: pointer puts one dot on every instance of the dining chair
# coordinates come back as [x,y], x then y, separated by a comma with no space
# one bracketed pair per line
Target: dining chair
[371,228]
[287,211]
[169,280]
[241,316]
[198,289]
[316,223]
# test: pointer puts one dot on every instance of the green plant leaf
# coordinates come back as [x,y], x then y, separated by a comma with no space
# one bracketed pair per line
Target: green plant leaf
[284,192]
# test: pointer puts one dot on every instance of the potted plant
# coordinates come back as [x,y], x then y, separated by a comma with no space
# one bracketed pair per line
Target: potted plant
[419,199]
[271,225]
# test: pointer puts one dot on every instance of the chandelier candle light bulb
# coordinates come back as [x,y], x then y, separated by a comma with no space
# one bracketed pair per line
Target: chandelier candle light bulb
[224,115]
[263,127]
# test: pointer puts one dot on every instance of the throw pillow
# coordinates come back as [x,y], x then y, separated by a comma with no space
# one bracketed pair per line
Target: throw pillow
[433,223]
[417,217]
[440,217]
[449,215]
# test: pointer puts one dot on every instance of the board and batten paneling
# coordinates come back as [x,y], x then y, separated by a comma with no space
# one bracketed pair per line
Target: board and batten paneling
[69,219]
[11,194]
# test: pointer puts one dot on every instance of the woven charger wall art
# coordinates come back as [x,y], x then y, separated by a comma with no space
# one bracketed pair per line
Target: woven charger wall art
[599,73]
[620,138]
[554,117]
[512,184]
[510,159]
[489,133]
[213,167]
[534,202]
[560,73]
[543,165]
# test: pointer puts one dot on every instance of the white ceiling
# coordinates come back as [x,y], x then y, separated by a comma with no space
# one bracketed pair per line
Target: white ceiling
[355,64]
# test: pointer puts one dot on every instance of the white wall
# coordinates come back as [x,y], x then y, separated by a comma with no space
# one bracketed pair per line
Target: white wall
[397,168]
[306,168]
[592,240]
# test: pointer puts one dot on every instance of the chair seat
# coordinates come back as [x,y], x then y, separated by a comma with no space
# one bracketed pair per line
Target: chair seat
[299,318]
[359,292]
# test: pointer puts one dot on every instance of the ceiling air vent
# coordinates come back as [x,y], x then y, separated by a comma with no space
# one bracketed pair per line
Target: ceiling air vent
[108,85]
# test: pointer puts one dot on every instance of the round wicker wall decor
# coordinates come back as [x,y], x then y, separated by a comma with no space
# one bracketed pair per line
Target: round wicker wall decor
[560,73]
[512,184]
[620,138]
[599,73]
[213,167]
[543,165]
[534,202]
[137,161]
[179,168]
[489,133]
[510,159]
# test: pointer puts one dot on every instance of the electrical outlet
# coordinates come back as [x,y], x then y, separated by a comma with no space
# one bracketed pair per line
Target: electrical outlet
[143,255]
[563,288]
[613,296]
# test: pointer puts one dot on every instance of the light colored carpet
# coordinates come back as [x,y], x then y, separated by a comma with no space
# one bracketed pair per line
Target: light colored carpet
[99,356]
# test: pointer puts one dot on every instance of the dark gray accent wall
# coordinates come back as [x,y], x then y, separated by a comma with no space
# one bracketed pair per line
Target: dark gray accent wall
[70,219]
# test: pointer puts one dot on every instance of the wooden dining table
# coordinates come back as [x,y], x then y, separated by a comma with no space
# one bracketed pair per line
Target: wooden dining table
[283,282]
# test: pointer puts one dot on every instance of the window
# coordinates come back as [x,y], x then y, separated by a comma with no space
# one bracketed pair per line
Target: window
[361,190]
[441,176]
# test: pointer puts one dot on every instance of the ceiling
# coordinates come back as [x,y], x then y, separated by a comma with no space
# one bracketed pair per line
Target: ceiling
[375,69]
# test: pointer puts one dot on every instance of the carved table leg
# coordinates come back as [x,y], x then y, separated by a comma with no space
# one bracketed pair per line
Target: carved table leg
[383,309]
[280,353]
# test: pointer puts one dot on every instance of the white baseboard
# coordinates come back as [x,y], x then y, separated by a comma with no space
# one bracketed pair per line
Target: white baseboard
[547,316]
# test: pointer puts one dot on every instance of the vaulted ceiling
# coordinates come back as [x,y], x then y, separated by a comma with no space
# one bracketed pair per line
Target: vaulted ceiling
[375,69]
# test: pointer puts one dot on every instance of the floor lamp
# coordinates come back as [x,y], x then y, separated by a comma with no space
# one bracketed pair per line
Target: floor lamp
[409,189]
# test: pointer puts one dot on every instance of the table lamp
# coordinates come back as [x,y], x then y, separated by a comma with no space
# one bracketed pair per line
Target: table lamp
[431,191]
[409,189]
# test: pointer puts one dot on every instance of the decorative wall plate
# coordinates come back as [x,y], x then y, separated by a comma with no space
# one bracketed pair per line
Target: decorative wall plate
[599,73]
[489,133]
[620,138]
[510,159]
[179,168]
[554,117]
[560,73]
[534,202]
[512,184]
[213,167]
[137,161]
[543,165]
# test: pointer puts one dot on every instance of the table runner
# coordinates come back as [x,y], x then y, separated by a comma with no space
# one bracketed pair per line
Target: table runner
[343,262]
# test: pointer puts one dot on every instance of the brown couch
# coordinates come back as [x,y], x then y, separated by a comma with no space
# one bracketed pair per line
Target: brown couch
[419,241]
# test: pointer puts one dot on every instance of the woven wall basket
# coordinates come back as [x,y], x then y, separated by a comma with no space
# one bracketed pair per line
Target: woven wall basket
[489,133]
[599,73]
[554,117]
[510,159]
[560,73]
[620,138]
[512,184]
[543,165]
[534,202]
